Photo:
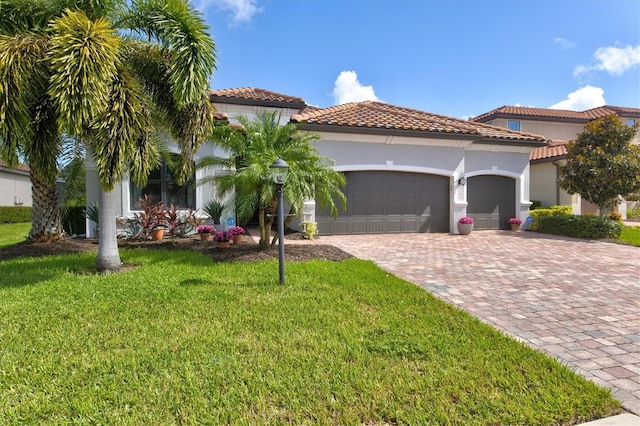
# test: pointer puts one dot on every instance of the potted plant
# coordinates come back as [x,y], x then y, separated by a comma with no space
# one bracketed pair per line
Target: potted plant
[515,223]
[223,239]
[236,233]
[206,232]
[465,225]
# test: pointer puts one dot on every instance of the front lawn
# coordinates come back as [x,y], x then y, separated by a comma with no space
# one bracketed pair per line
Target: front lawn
[13,233]
[178,339]
[631,235]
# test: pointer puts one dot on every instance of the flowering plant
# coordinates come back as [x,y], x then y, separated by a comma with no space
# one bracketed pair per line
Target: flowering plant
[465,219]
[515,221]
[206,229]
[222,236]
[236,230]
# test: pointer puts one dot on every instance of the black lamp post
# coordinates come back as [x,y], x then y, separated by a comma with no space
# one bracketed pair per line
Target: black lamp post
[279,171]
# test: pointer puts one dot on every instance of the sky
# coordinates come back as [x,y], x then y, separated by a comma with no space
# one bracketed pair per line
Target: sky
[456,58]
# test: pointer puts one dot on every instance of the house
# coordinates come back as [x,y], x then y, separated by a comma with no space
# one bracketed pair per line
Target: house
[15,185]
[407,170]
[559,126]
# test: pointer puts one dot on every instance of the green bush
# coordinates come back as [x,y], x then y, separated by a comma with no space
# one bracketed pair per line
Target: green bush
[73,220]
[15,214]
[539,213]
[580,226]
[633,213]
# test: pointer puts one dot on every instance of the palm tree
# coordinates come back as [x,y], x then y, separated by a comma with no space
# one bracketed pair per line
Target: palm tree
[117,75]
[253,147]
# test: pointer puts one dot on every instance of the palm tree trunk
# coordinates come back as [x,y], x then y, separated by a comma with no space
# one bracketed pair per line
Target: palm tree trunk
[108,255]
[46,224]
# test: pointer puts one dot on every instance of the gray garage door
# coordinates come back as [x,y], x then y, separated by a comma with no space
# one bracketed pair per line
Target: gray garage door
[492,201]
[390,202]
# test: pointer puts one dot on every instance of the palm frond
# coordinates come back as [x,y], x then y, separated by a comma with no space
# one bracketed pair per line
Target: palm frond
[84,57]
[177,25]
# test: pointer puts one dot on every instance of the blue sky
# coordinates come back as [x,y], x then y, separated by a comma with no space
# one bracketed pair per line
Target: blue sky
[457,58]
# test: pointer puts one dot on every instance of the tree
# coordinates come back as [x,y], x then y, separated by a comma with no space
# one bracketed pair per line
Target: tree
[113,73]
[602,164]
[253,147]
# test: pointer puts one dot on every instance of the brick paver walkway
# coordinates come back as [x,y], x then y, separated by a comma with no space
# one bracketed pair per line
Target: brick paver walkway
[576,300]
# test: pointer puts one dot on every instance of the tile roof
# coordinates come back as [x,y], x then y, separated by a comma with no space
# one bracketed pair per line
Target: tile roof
[19,167]
[507,111]
[383,117]
[555,149]
[257,97]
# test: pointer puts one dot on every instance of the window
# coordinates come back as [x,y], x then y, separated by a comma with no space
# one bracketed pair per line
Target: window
[513,125]
[631,122]
[162,186]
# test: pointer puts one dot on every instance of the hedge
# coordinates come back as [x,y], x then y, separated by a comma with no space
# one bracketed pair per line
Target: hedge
[73,220]
[15,214]
[580,226]
[539,213]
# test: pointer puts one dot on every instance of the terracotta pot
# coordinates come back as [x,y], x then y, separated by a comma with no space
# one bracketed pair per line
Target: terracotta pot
[465,228]
[223,244]
[515,226]
[157,234]
[206,236]
[237,239]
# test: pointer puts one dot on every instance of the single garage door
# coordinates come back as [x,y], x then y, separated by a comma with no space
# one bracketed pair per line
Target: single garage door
[492,201]
[381,202]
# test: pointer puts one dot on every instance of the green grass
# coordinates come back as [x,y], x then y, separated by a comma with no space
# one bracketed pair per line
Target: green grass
[631,235]
[181,340]
[13,233]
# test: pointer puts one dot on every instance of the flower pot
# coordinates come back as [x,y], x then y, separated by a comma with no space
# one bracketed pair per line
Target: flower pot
[465,228]
[223,244]
[157,234]
[206,236]
[237,239]
[515,226]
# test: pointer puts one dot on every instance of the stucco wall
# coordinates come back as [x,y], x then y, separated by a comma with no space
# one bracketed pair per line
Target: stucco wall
[15,188]
[544,183]
[554,131]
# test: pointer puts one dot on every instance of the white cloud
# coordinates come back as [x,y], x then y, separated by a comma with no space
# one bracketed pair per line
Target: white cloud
[582,99]
[563,42]
[614,60]
[347,88]
[241,10]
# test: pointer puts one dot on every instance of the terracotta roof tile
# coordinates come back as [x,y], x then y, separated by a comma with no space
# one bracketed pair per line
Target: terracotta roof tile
[255,96]
[507,111]
[382,116]
[553,150]
[20,167]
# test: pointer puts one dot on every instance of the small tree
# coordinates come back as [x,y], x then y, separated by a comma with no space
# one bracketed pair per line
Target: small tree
[252,148]
[602,164]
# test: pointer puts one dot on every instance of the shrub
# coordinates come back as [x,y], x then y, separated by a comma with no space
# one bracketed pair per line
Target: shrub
[15,214]
[633,213]
[580,226]
[214,209]
[73,220]
[539,213]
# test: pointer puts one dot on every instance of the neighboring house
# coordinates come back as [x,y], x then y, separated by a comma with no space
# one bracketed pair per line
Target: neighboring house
[560,126]
[406,170]
[15,185]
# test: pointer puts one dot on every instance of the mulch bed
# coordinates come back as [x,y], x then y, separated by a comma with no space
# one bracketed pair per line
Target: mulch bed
[248,251]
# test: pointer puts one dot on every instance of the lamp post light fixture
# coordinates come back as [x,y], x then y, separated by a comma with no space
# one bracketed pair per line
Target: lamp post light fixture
[279,172]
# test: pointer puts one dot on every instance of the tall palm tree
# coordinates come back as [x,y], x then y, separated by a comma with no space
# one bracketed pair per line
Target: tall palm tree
[117,75]
[253,147]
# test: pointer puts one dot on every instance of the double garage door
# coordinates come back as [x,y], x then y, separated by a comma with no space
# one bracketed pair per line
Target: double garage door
[381,202]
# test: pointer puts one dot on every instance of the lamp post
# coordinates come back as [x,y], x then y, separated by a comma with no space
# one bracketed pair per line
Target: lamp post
[279,171]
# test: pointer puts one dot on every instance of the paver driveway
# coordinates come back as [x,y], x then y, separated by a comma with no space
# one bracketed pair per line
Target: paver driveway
[577,300]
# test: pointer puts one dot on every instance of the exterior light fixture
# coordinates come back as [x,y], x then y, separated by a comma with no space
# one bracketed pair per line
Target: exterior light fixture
[462,180]
[279,172]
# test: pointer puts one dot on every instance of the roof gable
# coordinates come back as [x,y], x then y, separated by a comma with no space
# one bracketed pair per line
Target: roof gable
[379,117]
[549,114]
[256,97]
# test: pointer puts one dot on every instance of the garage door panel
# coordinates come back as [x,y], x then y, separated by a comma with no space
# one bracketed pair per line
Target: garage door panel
[491,201]
[391,202]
